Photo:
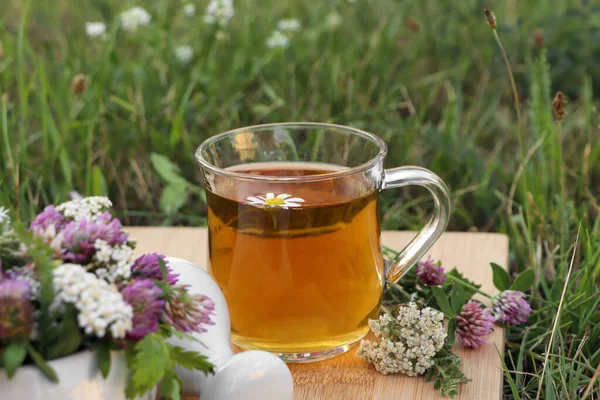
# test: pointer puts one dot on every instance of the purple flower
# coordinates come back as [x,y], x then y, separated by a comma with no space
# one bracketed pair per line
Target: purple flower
[48,217]
[144,297]
[15,309]
[431,273]
[473,323]
[186,312]
[510,307]
[147,266]
[79,237]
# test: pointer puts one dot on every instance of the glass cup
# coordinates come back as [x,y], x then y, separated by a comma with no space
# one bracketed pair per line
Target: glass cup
[294,238]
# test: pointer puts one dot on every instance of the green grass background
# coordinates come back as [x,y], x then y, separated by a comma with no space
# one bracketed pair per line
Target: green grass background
[425,75]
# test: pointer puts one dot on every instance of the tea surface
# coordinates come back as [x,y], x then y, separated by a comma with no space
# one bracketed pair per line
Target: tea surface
[301,279]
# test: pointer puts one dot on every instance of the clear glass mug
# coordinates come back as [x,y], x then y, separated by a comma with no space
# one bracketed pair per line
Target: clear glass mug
[294,238]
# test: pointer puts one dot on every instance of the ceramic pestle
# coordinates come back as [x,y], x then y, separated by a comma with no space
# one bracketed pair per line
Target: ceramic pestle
[250,375]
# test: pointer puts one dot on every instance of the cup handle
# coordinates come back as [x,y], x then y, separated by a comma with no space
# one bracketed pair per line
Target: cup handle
[404,176]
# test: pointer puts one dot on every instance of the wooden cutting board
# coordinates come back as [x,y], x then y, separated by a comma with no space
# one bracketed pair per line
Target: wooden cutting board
[347,377]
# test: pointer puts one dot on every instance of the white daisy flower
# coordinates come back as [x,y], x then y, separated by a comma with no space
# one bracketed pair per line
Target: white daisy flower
[134,18]
[189,9]
[289,25]
[284,201]
[277,40]
[95,29]
[184,54]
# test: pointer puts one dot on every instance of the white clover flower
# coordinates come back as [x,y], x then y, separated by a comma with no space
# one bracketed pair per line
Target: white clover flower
[219,12]
[100,305]
[277,40]
[334,20]
[283,200]
[184,54]
[408,343]
[289,25]
[89,208]
[135,17]
[189,9]
[95,29]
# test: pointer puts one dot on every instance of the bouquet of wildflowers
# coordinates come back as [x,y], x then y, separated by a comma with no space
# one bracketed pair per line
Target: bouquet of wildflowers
[71,282]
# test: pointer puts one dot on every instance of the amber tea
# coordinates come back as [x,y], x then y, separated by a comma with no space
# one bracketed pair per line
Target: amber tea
[300,264]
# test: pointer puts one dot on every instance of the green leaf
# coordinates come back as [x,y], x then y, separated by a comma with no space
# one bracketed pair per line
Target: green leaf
[104,359]
[97,186]
[173,197]
[442,301]
[469,287]
[451,331]
[500,278]
[170,386]
[13,357]
[41,364]
[446,372]
[149,364]
[67,337]
[457,298]
[163,267]
[166,169]
[524,280]
[190,359]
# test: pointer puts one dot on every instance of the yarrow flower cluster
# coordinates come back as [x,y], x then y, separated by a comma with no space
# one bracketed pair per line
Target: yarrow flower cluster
[134,18]
[100,306]
[408,343]
[219,12]
[431,273]
[88,208]
[289,25]
[474,323]
[4,220]
[278,40]
[510,307]
[189,9]
[184,54]
[95,29]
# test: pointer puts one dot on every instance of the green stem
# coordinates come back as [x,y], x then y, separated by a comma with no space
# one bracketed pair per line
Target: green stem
[470,286]
[9,160]
[520,135]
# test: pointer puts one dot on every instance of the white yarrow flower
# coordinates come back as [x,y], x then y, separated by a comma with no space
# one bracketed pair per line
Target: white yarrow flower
[184,54]
[95,29]
[189,9]
[113,263]
[334,20]
[219,12]
[4,215]
[284,201]
[277,40]
[135,17]
[289,25]
[408,343]
[89,208]
[100,305]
